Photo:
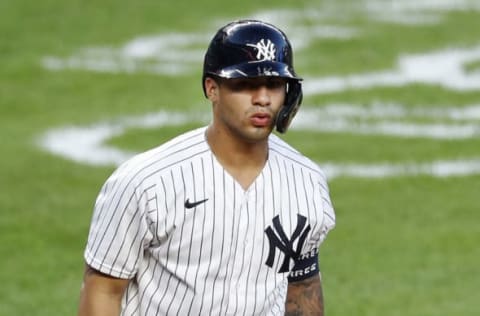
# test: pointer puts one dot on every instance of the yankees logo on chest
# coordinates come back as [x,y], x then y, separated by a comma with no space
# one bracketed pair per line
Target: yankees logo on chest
[291,247]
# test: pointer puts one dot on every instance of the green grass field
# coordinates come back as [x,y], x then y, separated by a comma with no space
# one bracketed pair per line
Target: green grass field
[397,94]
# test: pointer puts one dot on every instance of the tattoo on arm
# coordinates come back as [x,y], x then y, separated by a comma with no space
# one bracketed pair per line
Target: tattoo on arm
[305,298]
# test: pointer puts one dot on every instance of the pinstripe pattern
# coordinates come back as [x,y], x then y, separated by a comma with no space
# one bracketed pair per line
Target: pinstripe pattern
[210,259]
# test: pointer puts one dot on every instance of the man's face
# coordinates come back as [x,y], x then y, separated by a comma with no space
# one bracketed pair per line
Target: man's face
[246,107]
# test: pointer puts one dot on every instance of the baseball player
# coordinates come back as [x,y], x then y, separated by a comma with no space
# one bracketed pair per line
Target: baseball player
[226,219]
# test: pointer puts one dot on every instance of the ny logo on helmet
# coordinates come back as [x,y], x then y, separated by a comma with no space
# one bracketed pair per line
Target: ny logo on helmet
[265,51]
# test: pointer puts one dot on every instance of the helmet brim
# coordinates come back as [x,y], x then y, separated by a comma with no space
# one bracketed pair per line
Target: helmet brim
[254,69]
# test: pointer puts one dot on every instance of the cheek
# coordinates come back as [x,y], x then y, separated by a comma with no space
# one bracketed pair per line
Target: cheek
[229,109]
[236,103]
[278,100]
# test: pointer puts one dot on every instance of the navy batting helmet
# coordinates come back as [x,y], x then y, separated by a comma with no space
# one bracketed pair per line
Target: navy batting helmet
[249,49]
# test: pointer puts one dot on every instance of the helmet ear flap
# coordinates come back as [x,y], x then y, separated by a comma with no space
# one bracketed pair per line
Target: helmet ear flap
[293,100]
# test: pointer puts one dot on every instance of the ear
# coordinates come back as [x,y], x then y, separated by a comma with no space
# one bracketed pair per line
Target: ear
[211,88]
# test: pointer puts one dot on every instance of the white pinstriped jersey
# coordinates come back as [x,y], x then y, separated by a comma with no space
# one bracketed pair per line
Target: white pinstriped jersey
[215,257]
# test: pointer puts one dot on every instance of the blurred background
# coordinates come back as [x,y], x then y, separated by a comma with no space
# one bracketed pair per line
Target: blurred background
[391,112]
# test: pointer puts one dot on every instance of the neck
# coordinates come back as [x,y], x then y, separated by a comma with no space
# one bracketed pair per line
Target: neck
[241,159]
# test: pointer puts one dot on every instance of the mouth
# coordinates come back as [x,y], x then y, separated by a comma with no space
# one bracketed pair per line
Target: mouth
[261,119]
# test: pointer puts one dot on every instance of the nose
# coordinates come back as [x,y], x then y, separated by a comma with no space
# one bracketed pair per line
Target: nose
[261,96]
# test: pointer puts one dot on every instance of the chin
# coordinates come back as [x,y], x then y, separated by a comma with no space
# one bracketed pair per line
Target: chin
[260,133]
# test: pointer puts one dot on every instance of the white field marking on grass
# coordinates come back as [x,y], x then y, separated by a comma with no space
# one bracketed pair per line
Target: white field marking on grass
[414,11]
[443,68]
[168,54]
[304,27]
[390,119]
[408,6]
[439,169]
[88,144]
[176,53]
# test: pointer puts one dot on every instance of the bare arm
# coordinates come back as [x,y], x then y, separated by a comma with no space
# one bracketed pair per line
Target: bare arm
[305,298]
[101,294]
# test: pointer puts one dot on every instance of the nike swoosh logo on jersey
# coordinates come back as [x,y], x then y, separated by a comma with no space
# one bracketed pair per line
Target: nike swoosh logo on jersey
[189,204]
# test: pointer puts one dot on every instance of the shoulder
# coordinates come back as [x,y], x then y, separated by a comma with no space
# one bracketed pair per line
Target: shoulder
[290,155]
[162,158]
[291,162]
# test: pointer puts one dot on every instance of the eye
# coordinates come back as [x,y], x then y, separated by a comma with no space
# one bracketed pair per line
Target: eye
[275,83]
[244,85]
[237,85]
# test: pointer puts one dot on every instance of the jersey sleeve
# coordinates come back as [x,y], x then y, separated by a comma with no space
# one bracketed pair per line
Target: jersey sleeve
[326,209]
[119,230]
[306,264]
